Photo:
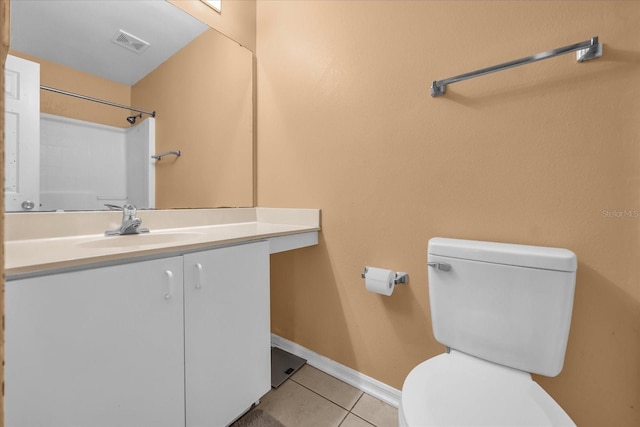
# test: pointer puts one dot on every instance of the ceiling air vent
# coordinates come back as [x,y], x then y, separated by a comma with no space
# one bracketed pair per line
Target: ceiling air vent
[129,41]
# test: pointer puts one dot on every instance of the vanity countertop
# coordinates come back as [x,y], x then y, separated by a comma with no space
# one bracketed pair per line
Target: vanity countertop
[72,239]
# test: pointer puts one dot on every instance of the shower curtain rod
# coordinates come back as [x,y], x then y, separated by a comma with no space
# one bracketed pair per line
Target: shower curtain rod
[588,49]
[101,101]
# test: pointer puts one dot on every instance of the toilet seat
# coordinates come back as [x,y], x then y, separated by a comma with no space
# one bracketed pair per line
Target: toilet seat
[455,389]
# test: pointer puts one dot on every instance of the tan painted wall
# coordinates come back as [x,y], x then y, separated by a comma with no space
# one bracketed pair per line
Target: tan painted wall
[204,105]
[533,155]
[237,20]
[72,80]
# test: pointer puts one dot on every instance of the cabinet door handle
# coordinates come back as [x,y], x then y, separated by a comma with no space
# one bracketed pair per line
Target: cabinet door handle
[169,274]
[199,278]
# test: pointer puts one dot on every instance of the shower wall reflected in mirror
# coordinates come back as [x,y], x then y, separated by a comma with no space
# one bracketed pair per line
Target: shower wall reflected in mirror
[201,88]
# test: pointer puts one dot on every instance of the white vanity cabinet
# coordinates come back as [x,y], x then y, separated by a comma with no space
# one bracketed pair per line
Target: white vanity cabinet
[156,343]
[99,347]
[227,332]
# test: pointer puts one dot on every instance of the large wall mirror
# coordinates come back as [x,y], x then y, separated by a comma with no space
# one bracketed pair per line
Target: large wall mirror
[153,57]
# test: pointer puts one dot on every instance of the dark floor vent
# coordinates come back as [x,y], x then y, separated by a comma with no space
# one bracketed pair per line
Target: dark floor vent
[283,365]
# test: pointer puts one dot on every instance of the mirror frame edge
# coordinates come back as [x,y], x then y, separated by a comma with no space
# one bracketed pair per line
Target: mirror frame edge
[5,6]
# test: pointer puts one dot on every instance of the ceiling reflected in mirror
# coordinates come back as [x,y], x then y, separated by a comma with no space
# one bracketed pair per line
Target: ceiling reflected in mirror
[119,46]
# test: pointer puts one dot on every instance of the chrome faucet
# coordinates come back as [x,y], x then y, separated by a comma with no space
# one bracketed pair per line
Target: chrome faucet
[130,223]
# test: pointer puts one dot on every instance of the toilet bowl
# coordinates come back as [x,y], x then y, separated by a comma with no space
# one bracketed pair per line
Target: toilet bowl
[455,389]
[503,311]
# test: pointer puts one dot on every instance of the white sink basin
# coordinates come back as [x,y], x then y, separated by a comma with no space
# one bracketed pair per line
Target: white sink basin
[137,240]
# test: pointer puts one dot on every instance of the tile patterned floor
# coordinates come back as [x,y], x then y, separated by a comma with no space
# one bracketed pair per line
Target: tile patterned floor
[311,398]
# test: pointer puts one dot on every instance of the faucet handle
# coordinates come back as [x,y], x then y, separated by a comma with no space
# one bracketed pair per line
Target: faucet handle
[128,211]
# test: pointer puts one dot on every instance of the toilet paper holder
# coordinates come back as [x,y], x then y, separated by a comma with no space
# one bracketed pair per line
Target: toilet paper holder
[401,277]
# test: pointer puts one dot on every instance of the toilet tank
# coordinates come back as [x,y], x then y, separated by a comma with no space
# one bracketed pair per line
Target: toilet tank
[505,303]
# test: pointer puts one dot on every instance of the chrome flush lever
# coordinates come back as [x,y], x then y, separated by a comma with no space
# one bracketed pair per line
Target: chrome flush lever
[442,266]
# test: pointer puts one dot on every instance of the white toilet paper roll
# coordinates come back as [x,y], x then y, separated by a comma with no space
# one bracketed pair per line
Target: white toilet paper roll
[379,280]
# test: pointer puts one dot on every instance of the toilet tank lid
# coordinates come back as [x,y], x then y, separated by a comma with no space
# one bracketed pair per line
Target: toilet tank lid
[505,253]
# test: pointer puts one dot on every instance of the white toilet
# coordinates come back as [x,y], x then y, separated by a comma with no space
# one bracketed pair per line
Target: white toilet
[504,311]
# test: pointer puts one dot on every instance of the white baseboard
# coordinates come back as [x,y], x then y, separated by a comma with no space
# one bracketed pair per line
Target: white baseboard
[350,376]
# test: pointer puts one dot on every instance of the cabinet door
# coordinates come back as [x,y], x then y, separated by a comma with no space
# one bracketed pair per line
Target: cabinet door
[100,347]
[227,332]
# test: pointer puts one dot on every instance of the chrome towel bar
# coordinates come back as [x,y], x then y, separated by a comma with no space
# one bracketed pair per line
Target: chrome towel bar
[588,49]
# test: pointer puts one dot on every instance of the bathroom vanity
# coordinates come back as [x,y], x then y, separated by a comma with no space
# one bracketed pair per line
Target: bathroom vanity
[165,332]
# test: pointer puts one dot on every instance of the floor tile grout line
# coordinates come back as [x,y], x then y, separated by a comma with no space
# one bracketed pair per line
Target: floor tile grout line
[358,416]
[358,400]
[349,411]
[326,398]
[344,418]
[362,393]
